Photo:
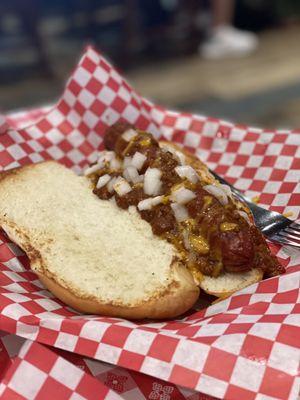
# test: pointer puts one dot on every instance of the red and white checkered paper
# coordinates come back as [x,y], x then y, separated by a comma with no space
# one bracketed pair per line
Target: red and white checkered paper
[246,347]
[33,371]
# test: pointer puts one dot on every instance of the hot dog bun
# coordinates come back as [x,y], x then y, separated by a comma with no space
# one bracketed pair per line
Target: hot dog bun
[226,283]
[89,253]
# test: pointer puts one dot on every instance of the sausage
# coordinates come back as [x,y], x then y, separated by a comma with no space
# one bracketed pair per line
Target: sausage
[237,250]
[264,259]
[270,265]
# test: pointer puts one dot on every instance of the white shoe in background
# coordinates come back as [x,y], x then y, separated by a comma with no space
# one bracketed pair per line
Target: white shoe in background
[227,41]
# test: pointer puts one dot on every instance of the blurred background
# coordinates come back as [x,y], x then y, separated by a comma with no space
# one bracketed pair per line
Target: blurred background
[238,60]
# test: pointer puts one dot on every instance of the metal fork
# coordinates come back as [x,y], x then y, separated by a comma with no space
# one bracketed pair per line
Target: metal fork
[273,225]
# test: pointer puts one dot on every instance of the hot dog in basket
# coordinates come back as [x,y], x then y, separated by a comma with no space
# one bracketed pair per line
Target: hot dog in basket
[137,235]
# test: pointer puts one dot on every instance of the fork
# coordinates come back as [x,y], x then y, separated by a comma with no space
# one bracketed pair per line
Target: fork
[273,225]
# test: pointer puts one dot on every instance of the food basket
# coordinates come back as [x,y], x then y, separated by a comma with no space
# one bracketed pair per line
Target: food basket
[244,347]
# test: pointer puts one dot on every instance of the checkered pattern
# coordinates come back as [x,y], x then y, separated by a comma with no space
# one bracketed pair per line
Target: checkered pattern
[24,118]
[244,347]
[24,359]
[36,373]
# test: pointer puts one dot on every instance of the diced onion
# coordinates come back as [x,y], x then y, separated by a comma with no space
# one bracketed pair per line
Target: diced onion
[110,185]
[129,134]
[186,171]
[131,174]
[102,181]
[181,157]
[217,192]
[226,189]
[186,241]
[157,200]
[92,169]
[244,215]
[152,182]
[106,156]
[127,162]
[147,204]
[182,195]
[166,147]
[180,212]
[126,175]
[122,187]
[178,154]
[115,163]
[138,160]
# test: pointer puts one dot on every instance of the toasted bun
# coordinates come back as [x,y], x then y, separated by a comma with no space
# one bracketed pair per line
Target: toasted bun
[227,283]
[173,303]
[92,255]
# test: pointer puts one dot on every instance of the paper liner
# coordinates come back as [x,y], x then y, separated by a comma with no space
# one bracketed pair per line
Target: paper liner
[246,347]
[33,371]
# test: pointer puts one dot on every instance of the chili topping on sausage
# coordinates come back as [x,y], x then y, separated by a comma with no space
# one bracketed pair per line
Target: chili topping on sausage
[202,220]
